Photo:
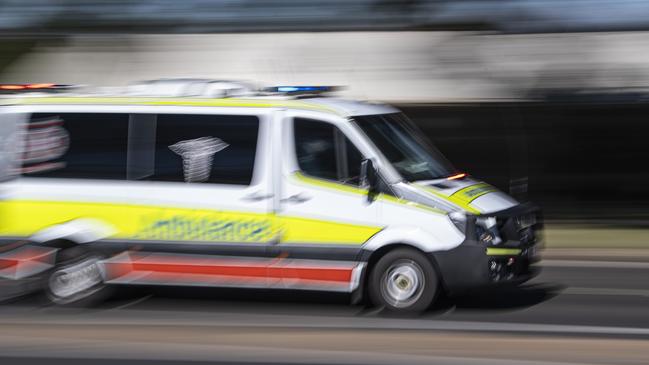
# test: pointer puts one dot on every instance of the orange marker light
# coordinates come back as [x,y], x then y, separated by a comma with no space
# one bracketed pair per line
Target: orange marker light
[11,87]
[457,176]
[39,86]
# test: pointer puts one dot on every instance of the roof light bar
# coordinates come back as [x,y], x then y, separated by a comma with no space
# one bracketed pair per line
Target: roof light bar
[40,86]
[287,89]
[33,87]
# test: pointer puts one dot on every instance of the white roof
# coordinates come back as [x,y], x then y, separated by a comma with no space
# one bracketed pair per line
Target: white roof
[204,92]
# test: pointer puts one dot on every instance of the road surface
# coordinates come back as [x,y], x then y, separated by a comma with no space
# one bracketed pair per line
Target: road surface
[575,312]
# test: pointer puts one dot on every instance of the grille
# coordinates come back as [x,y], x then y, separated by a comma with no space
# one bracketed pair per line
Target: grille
[518,230]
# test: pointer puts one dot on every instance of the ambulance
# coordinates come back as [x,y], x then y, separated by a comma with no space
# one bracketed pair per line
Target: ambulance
[191,182]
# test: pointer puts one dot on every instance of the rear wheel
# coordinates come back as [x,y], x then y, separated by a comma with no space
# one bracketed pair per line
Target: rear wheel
[403,280]
[76,279]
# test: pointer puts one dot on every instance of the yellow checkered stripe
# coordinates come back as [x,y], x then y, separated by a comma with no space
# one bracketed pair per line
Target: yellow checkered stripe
[204,102]
[331,185]
[465,196]
[23,218]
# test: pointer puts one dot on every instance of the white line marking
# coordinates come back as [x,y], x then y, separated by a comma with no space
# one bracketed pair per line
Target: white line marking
[174,318]
[606,291]
[542,328]
[597,264]
[467,326]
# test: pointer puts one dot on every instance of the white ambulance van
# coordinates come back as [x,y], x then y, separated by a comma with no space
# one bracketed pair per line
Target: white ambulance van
[207,183]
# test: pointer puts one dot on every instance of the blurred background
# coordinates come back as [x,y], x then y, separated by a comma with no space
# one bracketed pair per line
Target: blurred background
[538,95]
[546,99]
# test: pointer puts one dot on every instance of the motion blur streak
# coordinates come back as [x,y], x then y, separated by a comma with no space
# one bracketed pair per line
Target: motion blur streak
[26,261]
[546,101]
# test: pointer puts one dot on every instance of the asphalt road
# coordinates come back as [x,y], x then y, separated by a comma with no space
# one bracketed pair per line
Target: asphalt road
[575,312]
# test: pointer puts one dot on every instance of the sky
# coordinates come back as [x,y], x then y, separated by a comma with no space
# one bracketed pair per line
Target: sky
[517,15]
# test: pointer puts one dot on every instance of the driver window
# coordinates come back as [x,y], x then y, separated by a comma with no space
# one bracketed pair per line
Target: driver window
[324,152]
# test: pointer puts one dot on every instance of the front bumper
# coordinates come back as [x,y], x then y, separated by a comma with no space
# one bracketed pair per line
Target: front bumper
[472,265]
[468,267]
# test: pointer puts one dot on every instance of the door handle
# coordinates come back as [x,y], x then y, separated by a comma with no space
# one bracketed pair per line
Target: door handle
[256,197]
[296,199]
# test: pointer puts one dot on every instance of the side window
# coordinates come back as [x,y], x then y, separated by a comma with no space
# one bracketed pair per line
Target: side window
[324,152]
[217,149]
[75,145]
[354,159]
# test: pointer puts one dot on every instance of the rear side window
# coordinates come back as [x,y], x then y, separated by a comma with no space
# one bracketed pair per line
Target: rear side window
[324,152]
[217,149]
[75,145]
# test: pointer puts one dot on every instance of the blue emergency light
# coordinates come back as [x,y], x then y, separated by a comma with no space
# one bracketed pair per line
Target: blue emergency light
[301,89]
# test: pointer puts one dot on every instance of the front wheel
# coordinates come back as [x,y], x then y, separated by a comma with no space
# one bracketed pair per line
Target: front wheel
[403,280]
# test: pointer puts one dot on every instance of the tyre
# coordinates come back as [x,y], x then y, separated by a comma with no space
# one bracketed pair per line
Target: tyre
[76,279]
[403,280]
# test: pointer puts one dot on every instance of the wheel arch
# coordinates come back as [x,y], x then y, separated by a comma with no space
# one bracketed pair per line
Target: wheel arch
[416,237]
[73,232]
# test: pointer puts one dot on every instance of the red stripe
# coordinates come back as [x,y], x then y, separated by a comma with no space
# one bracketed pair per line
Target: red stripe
[24,254]
[195,269]
[259,271]
[6,263]
[312,273]
[240,269]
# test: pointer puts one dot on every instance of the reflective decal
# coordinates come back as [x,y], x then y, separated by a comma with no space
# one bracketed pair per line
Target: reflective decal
[22,218]
[202,270]
[493,251]
[464,196]
[210,227]
[42,142]
[473,192]
[26,261]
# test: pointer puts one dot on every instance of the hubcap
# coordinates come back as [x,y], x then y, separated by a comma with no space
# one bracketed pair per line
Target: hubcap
[403,283]
[73,280]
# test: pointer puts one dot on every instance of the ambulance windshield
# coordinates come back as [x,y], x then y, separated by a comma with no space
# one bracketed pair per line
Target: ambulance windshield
[405,146]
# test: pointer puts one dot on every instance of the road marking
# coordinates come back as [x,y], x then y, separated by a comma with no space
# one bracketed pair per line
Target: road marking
[606,291]
[596,264]
[177,318]
[536,328]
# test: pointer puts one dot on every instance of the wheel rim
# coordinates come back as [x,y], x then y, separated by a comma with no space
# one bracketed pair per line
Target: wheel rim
[75,281]
[403,283]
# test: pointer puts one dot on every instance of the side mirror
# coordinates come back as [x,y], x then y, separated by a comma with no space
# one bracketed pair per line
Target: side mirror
[369,179]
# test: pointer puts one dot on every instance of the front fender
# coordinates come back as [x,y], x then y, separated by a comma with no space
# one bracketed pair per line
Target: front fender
[417,237]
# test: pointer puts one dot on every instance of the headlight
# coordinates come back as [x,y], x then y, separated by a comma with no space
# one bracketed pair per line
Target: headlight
[459,219]
[526,221]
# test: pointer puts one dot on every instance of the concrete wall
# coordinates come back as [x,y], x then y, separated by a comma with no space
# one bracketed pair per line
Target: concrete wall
[389,66]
